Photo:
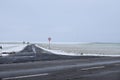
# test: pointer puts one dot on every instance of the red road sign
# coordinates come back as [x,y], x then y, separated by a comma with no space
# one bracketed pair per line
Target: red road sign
[49,39]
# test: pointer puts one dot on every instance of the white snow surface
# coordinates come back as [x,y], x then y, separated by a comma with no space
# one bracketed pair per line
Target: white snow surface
[11,48]
[59,52]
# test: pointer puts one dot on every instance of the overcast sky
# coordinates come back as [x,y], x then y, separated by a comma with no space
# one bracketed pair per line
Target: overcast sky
[63,20]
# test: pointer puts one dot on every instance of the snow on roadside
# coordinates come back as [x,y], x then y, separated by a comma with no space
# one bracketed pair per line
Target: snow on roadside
[16,48]
[109,55]
[11,48]
[59,52]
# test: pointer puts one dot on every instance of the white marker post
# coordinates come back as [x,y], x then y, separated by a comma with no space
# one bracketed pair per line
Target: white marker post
[0,50]
[49,39]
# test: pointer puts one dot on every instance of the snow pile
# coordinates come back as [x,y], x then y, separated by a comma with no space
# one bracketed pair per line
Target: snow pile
[59,52]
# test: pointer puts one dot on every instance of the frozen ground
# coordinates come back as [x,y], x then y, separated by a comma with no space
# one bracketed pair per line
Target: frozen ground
[11,48]
[74,49]
[96,49]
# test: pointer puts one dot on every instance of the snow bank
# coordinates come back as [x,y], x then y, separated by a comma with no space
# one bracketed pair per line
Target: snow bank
[11,48]
[59,52]
[109,55]
[14,48]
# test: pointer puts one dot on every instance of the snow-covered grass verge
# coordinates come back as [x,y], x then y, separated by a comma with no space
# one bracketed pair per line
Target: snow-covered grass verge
[59,52]
[11,48]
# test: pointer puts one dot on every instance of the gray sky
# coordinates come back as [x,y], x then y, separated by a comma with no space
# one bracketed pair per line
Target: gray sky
[63,20]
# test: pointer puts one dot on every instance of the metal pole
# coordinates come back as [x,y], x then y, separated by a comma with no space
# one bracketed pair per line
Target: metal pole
[0,50]
[49,39]
[49,44]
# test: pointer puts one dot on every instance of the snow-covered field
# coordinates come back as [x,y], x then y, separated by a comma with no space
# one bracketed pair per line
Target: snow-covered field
[11,48]
[72,49]
[59,52]
[85,49]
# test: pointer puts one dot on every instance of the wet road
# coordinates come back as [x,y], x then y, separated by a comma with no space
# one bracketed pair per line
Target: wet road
[84,68]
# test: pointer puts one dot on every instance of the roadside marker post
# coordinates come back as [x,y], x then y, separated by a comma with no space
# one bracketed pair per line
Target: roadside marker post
[49,39]
[0,50]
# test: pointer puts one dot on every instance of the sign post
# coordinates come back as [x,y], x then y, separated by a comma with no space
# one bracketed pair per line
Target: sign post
[49,39]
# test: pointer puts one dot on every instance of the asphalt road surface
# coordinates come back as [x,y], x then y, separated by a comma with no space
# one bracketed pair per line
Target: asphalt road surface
[72,68]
